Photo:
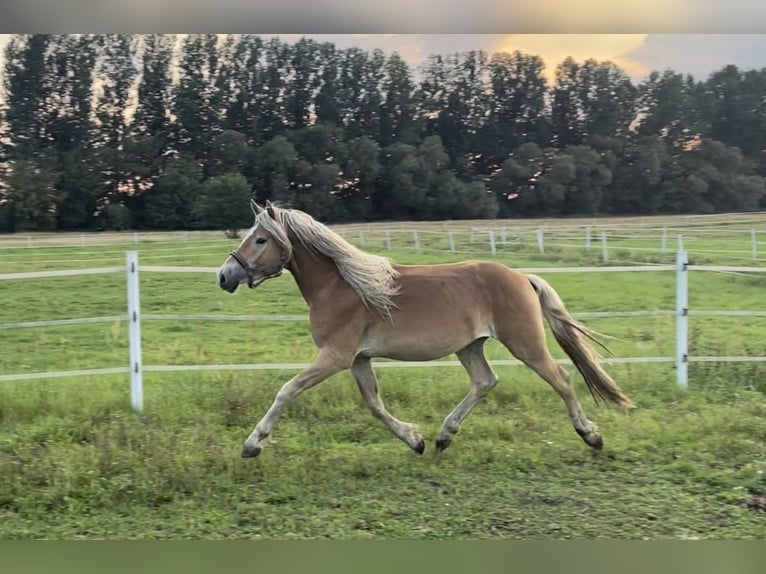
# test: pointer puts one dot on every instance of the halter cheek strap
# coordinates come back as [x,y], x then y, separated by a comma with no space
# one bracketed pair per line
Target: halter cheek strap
[271,271]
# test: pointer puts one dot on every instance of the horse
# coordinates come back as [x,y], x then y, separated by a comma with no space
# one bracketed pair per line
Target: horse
[363,306]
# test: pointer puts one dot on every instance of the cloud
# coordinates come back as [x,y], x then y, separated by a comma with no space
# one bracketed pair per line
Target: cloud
[731,16]
[702,54]
[593,16]
[555,48]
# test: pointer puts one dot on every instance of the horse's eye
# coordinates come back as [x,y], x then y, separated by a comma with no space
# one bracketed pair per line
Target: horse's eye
[260,241]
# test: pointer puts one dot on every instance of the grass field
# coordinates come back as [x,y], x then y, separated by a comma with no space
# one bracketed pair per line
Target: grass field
[76,462]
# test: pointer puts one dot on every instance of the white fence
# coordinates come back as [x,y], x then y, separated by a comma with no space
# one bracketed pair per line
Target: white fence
[742,237]
[136,369]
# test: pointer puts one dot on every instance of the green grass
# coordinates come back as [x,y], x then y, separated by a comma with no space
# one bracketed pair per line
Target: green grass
[76,462]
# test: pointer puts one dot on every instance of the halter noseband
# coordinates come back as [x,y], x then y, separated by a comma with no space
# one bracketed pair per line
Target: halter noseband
[251,270]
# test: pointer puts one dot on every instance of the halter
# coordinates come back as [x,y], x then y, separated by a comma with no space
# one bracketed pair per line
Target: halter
[251,270]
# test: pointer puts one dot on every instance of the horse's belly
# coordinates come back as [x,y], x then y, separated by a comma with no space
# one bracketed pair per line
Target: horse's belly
[419,344]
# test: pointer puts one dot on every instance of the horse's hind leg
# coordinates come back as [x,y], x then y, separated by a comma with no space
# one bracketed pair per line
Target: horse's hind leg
[368,386]
[534,353]
[483,380]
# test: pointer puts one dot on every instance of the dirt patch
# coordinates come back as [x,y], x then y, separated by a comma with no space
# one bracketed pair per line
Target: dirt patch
[757,504]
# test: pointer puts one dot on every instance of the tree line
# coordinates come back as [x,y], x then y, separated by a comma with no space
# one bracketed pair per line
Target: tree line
[165,132]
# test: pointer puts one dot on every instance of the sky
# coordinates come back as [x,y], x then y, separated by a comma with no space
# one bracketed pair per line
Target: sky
[637,54]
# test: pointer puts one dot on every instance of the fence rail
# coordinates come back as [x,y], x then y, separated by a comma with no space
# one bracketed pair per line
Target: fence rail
[136,369]
[741,236]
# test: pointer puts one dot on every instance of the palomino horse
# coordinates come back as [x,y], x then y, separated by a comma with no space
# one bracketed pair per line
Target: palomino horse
[362,306]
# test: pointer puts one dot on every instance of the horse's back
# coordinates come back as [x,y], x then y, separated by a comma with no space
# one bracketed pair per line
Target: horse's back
[442,308]
[467,279]
[477,293]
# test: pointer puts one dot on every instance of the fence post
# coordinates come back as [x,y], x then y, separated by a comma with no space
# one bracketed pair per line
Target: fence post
[587,240]
[541,241]
[492,248]
[451,238]
[680,242]
[664,239]
[361,237]
[682,318]
[754,239]
[134,322]
[388,240]
[416,240]
[604,246]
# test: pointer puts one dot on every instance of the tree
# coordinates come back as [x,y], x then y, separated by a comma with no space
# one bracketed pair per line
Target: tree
[302,82]
[49,82]
[665,106]
[516,109]
[170,204]
[730,184]
[365,74]
[94,132]
[32,195]
[514,182]
[420,185]
[332,103]
[228,153]
[273,113]
[316,172]
[152,116]
[591,99]
[566,115]
[607,99]
[398,110]
[244,73]
[358,186]
[220,205]
[638,169]
[70,73]
[585,192]
[739,114]
[275,168]
[26,91]
[196,96]
[78,190]
[148,142]
[116,74]
[453,104]
[536,181]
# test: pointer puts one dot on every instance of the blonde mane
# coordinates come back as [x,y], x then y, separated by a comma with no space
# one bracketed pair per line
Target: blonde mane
[372,277]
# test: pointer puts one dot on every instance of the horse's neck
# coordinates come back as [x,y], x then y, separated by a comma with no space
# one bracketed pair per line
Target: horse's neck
[310,271]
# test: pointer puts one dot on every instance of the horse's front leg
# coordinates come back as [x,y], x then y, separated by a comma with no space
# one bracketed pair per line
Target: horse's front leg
[325,365]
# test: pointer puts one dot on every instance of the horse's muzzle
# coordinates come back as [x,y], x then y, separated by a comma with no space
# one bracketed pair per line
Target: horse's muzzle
[227,282]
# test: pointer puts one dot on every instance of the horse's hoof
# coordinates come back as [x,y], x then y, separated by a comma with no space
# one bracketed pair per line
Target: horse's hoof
[420,448]
[443,443]
[592,439]
[251,451]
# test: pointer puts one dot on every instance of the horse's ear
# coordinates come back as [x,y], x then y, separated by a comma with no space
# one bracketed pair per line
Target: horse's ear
[270,209]
[257,209]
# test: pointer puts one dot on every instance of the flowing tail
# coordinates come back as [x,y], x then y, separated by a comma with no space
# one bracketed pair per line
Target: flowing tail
[569,334]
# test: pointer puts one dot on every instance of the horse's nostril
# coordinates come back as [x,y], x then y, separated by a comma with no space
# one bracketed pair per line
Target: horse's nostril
[221,278]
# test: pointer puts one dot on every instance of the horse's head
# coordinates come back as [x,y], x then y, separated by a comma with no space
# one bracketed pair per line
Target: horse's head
[262,255]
